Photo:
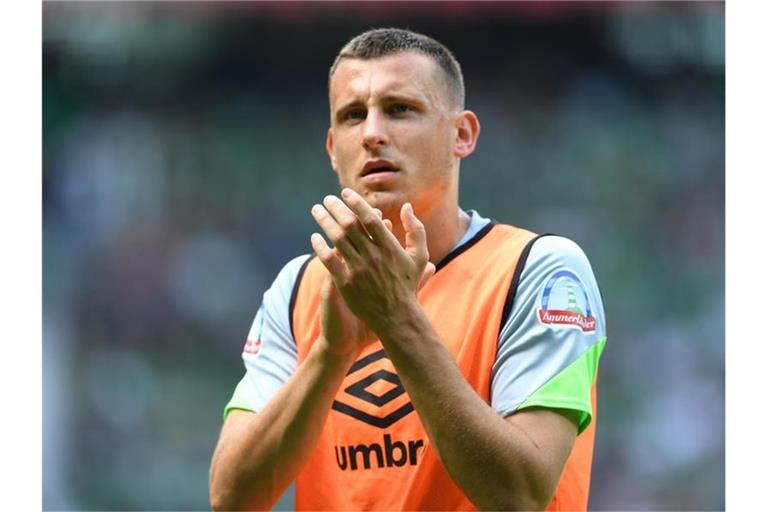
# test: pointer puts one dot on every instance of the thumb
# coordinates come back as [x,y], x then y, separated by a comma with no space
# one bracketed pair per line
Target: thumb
[429,271]
[415,235]
[328,291]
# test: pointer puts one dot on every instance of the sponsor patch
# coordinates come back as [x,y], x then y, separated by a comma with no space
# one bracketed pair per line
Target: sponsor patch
[253,343]
[252,347]
[564,301]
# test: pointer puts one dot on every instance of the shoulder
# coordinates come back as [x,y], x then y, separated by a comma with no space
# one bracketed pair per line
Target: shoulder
[294,266]
[552,257]
[557,276]
[278,299]
[555,250]
[290,274]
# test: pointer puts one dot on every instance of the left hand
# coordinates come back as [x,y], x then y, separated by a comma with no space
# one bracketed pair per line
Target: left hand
[373,272]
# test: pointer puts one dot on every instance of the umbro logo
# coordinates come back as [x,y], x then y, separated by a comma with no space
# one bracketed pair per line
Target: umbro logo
[362,390]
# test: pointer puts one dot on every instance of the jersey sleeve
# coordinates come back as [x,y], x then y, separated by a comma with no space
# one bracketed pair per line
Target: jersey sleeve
[269,354]
[550,344]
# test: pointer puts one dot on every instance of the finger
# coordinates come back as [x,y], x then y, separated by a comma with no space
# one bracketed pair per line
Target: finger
[328,257]
[415,235]
[429,271]
[387,222]
[335,233]
[349,223]
[373,223]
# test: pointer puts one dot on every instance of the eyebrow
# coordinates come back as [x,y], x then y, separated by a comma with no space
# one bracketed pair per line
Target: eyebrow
[388,98]
[349,105]
[338,114]
[393,98]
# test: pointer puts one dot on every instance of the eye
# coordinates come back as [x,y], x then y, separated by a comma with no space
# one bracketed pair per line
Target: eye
[400,108]
[355,114]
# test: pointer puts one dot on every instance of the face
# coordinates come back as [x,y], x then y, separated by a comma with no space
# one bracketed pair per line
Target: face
[393,135]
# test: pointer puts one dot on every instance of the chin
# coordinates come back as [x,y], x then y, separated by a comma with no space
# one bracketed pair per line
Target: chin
[388,202]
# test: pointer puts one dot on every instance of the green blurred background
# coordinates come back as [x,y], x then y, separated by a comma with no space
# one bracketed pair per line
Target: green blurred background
[183,146]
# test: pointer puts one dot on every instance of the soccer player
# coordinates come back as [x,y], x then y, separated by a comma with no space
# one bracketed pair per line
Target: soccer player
[430,358]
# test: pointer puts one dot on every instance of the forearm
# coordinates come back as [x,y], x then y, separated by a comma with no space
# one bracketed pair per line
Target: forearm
[496,465]
[258,456]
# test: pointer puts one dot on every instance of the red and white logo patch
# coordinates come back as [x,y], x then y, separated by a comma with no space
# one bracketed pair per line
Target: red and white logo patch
[253,344]
[252,347]
[564,301]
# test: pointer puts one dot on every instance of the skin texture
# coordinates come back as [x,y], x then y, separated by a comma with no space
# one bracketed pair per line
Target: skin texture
[385,235]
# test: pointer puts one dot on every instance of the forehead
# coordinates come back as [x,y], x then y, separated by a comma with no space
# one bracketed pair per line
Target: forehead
[408,73]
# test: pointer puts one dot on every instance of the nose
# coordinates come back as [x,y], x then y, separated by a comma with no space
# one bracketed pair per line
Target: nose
[375,133]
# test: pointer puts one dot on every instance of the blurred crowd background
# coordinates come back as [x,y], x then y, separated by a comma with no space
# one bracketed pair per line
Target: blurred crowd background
[183,146]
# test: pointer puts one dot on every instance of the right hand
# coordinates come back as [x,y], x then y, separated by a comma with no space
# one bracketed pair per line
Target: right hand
[344,333]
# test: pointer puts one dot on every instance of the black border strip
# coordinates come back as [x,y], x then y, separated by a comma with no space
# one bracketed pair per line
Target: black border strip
[516,280]
[375,421]
[370,358]
[295,293]
[469,243]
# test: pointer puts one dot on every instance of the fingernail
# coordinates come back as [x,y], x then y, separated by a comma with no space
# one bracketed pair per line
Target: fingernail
[346,193]
[316,208]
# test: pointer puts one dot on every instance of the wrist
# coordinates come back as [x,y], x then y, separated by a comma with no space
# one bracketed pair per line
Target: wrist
[406,317]
[332,356]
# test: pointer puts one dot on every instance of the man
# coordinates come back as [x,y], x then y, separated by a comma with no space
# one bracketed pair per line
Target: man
[432,359]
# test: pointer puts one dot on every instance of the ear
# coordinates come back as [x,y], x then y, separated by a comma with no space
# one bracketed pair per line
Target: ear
[329,149]
[467,132]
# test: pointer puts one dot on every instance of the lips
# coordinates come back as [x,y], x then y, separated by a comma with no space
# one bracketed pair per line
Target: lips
[378,166]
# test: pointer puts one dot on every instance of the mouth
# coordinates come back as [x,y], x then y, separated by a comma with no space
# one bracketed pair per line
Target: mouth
[378,167]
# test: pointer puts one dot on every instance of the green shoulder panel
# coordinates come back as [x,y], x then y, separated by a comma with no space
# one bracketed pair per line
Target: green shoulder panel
[238,400]
[572,387]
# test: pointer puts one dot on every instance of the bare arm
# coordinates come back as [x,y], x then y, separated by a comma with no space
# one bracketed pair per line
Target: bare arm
[512,463]
[259,455]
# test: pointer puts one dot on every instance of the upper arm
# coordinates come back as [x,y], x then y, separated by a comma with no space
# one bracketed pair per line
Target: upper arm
[551,342]
[553,433]
[234,422]
[270,354]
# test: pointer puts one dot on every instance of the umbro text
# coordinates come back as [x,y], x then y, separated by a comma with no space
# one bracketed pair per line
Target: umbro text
[387,454]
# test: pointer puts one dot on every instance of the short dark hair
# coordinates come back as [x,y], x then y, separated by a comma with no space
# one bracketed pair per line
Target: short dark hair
[380,42]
